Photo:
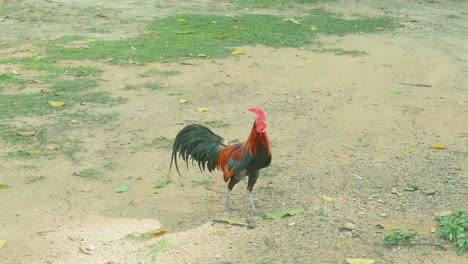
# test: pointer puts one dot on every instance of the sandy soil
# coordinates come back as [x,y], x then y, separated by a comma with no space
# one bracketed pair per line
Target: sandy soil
[335,128]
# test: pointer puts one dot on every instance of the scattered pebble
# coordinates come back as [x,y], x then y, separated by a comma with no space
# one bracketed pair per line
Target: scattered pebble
[292,224]
[217,256]
[349,226]
[430,191]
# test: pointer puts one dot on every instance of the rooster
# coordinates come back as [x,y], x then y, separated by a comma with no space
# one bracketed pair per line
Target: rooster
[199,143]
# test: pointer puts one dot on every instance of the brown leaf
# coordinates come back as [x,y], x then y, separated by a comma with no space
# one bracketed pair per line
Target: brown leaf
[51,147]
[151,35]
[221,37]
[100,14]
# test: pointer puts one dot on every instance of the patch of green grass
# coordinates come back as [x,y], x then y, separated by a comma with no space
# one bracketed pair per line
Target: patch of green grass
[111,165]
[13,105]
[76,85]
[265,261]
[200,35]
[158,247]
[339,51]
[25,153]
[10,81]
[33,178]
[158,72]
[454,228]
[50,65]
[398,239]
[88,174]
[276,3]
[153,86]
[130,87]
[70,148]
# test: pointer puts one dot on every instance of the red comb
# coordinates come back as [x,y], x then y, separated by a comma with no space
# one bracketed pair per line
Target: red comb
[259,111]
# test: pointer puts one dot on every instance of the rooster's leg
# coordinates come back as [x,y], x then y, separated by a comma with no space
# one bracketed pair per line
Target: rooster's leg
[253,176]
[233,181]
[228,201]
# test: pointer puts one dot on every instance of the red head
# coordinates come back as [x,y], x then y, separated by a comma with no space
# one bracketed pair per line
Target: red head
[260,122]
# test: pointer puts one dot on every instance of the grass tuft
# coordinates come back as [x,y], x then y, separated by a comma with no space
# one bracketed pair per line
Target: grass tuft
[216,36]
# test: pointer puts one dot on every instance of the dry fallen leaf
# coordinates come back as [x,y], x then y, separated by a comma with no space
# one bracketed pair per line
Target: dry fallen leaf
[237,52]
[100,14]
[443,213]
[151,35]
[313,28]
[26,133]
[15,72]
[56,104]
[438,146]
[265,5]
[183,101]
[2,243]
[74,122]
[50,147]
[203,109]
[86,190]
[221,37]
[328,199]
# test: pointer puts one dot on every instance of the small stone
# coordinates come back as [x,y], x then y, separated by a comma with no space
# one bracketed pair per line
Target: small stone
[292,224]
[217,256]
[383,215]
[349,226]
[430,191]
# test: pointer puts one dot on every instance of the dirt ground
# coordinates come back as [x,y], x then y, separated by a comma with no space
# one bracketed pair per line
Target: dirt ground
[336,130]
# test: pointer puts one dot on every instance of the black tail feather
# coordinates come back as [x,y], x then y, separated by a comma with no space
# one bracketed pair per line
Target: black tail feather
[197,143]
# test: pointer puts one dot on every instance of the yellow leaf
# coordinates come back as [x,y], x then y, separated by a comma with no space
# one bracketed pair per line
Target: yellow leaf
[438,146]
[2,243]
[444,213]
[360,261]
[237,52]
[183,101]
[74,122]
[26,133]
[203,109]
[313,28]
[56,104]
[293,20]
[328,199]
[181,20]
[133,48]
[15,72]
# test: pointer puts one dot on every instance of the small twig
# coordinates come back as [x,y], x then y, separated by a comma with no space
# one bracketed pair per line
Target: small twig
[415,84]
[44,232]
[425,244]
[347,148]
